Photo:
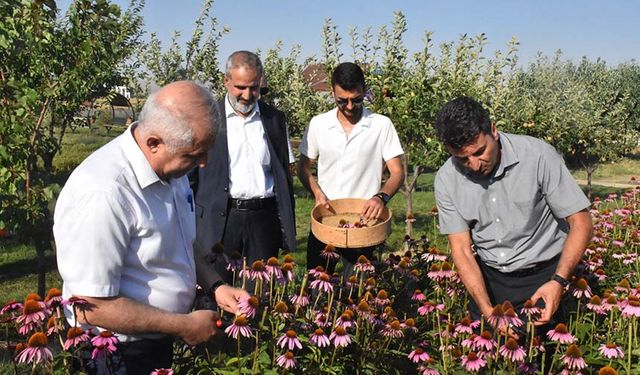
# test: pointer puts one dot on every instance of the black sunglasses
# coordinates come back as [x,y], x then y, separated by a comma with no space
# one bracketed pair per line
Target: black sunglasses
[355,101]
[264,90]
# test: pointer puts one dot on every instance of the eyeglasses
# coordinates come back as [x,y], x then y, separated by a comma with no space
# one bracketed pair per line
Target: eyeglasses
[356,102]
[264,90]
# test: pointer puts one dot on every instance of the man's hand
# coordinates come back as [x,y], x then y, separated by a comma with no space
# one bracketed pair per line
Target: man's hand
[551,294]
[227,297]
[372,209]
[199,327]
[322,200]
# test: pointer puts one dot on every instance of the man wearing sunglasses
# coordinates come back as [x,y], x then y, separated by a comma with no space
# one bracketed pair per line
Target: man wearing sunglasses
[351,146]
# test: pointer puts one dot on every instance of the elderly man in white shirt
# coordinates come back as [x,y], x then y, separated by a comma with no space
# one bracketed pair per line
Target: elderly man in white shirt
[125,226]
[352,146]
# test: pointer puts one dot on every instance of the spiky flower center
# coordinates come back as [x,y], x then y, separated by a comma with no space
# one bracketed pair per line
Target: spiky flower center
[273,262]
[291,334]
[383,294]
[561,328]
[74,332]
[281,307]
[258,266]
[31,306]
[340,331]
[240,320]
[573,351]
[38,339]
[511,344]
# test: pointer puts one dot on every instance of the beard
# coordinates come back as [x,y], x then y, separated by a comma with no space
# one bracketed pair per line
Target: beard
[241,107]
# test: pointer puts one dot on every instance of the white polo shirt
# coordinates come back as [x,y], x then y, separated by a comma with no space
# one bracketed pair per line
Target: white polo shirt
[121,230]
[249,158]
[350,167]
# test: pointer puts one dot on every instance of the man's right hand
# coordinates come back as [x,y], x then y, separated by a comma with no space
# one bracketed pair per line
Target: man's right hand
[200,326]
[322,200]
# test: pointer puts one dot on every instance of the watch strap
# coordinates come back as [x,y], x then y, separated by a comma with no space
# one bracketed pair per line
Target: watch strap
[384,197]
[560,280]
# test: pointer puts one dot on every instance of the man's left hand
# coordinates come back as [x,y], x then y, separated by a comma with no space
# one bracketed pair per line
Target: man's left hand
[227,297]
[372,209]
[551,294]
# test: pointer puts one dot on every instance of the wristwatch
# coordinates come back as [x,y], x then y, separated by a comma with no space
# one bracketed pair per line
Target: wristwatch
[561,280]
[384,197]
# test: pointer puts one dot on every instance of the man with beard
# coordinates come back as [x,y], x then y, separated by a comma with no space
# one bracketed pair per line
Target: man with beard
[517,222]
[352,146]
[244,198]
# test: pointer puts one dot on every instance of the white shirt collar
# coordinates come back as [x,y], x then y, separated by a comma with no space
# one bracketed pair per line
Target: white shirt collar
[145,175]
[365,120]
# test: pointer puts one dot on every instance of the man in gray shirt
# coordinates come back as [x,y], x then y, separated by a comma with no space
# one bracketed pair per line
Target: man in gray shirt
[516,220]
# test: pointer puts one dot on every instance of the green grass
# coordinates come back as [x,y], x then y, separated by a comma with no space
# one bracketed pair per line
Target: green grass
[619,172]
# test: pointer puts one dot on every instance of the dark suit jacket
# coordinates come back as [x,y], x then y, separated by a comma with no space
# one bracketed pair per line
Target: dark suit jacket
[213,181]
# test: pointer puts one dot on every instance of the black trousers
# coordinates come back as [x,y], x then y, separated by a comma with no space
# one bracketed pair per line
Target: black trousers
[134,358]
[349,256]
[254,233]
[517,287]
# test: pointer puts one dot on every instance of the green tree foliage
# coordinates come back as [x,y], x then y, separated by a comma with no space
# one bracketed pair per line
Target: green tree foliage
[49,66]
[198,62]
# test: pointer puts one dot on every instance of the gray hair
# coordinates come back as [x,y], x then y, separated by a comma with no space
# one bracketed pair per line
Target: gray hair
[243,59]
[174,127]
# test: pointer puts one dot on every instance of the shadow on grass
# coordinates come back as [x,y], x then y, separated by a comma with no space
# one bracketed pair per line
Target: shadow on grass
[20,268]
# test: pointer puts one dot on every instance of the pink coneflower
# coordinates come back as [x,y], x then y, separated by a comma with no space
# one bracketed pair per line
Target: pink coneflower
[248,306]
[258,271]
[346,319]
[363,265]
[54,297]
[433,255]
[393,330]
[428,371]
[595,305]
[418,355]
[33,314]
[573,358]
[322,283]
[472,362]
[428,307]
[581,288]
[290,340]
[287,361]
[560,334]
[53,326]
[632,307]
[382,298]
[512,318]
[512,351]
[469,342]
[484,341]
[319,338]
[235,261]
[497,318]
[36,350]
[370,283]
[316,272]
[74,302]
[610,303]
[340,337]
[300,300]
[321,319]
[281,310]
[364,310]
[623,286]
[104,344]
[611,350]
[75,336]
[418,296]
[287,271]
[530,310]
[329,253]
[410,325]
[162,371]
[240,327]
[273,268]
[466,325]
[11,306]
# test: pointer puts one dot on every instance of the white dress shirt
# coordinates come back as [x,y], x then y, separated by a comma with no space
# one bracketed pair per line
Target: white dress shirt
[122,231]
[250,173]
[350,167]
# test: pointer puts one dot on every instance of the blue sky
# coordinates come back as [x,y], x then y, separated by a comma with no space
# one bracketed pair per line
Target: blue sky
[606,29]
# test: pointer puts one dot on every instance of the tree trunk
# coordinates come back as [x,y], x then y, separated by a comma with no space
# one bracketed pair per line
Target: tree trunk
[42,246]
[409,188]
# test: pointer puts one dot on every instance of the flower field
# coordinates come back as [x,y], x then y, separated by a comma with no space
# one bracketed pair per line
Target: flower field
[403,314]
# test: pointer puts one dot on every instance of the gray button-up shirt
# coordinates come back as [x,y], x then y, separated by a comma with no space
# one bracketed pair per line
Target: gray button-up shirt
[516,215]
